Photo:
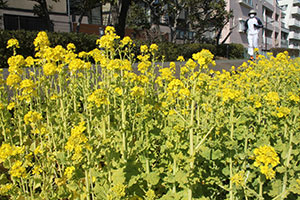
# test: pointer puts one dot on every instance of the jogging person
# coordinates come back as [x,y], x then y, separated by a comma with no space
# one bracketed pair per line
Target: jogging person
[252,26]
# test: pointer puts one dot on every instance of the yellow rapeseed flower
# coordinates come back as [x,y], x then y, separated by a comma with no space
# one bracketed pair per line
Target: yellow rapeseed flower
[13,43]
[17,170]
[4,189]
[238,178]
[69,172]
[32,117]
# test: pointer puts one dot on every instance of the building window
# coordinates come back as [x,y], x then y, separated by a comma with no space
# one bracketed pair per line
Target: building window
[190,35]
[17,22]
[180,34]
[242,25]
[247,2]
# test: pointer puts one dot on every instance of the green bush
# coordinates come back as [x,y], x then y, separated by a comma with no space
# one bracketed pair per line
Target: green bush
[292,52]
[85,42]
[231,51]
[189,49]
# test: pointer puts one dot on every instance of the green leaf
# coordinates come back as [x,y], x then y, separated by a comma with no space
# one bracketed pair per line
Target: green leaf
[181,177]
[217,154]
[3,179]
[37,181]
[152,178]
[205,152]
[280,169]
[225,171]
[118,176]
[61,157]
[72,186]
[296,139]
[276,188]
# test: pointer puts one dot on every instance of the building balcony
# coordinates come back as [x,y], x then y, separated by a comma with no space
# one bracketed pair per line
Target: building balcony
[294,22]
[270,1]
[296,2]
[295,11]
[294,36]
[247,3]
[284,29]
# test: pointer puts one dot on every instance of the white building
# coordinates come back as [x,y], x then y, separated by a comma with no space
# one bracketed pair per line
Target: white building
[291,20]
[274,34]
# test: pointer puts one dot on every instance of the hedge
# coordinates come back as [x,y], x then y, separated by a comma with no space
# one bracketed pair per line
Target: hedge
[292,52]
[85,42]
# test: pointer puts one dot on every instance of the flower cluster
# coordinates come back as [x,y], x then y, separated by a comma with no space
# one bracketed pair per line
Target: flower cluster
[77,141]
[266,159]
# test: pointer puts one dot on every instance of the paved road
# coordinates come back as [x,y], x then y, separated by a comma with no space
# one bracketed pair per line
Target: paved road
[220,65]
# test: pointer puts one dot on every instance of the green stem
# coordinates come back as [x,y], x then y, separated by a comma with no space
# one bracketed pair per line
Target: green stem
[174,173]
[87,185]
[287,163]
[123,129]
[230,160]
[261,183]
[191,134]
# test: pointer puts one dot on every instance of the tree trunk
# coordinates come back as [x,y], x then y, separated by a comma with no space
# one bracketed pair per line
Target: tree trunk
[120,27]
[46,16]
[114,12]
[79,22]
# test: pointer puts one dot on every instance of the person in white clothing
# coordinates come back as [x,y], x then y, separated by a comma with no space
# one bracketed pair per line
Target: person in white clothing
[252,26]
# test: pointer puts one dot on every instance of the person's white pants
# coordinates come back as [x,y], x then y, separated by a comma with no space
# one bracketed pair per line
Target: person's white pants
[252,43]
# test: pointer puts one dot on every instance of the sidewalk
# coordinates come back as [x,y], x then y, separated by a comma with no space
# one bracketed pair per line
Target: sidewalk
[227,64]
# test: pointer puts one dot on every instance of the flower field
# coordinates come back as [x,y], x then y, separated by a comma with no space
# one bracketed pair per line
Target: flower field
[71,129]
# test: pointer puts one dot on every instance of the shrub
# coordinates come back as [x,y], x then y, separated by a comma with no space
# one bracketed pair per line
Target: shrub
[83,42]
[292,52]
[230,50]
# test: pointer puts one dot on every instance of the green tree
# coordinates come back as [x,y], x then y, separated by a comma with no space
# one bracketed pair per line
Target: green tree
[137,17]
[3,4]
[82,8]
[42,9]
[207,16]
[175,9]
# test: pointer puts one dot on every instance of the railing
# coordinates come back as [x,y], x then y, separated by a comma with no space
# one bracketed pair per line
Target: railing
[296,2]
[294,35]
[294,22]
[295,11]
